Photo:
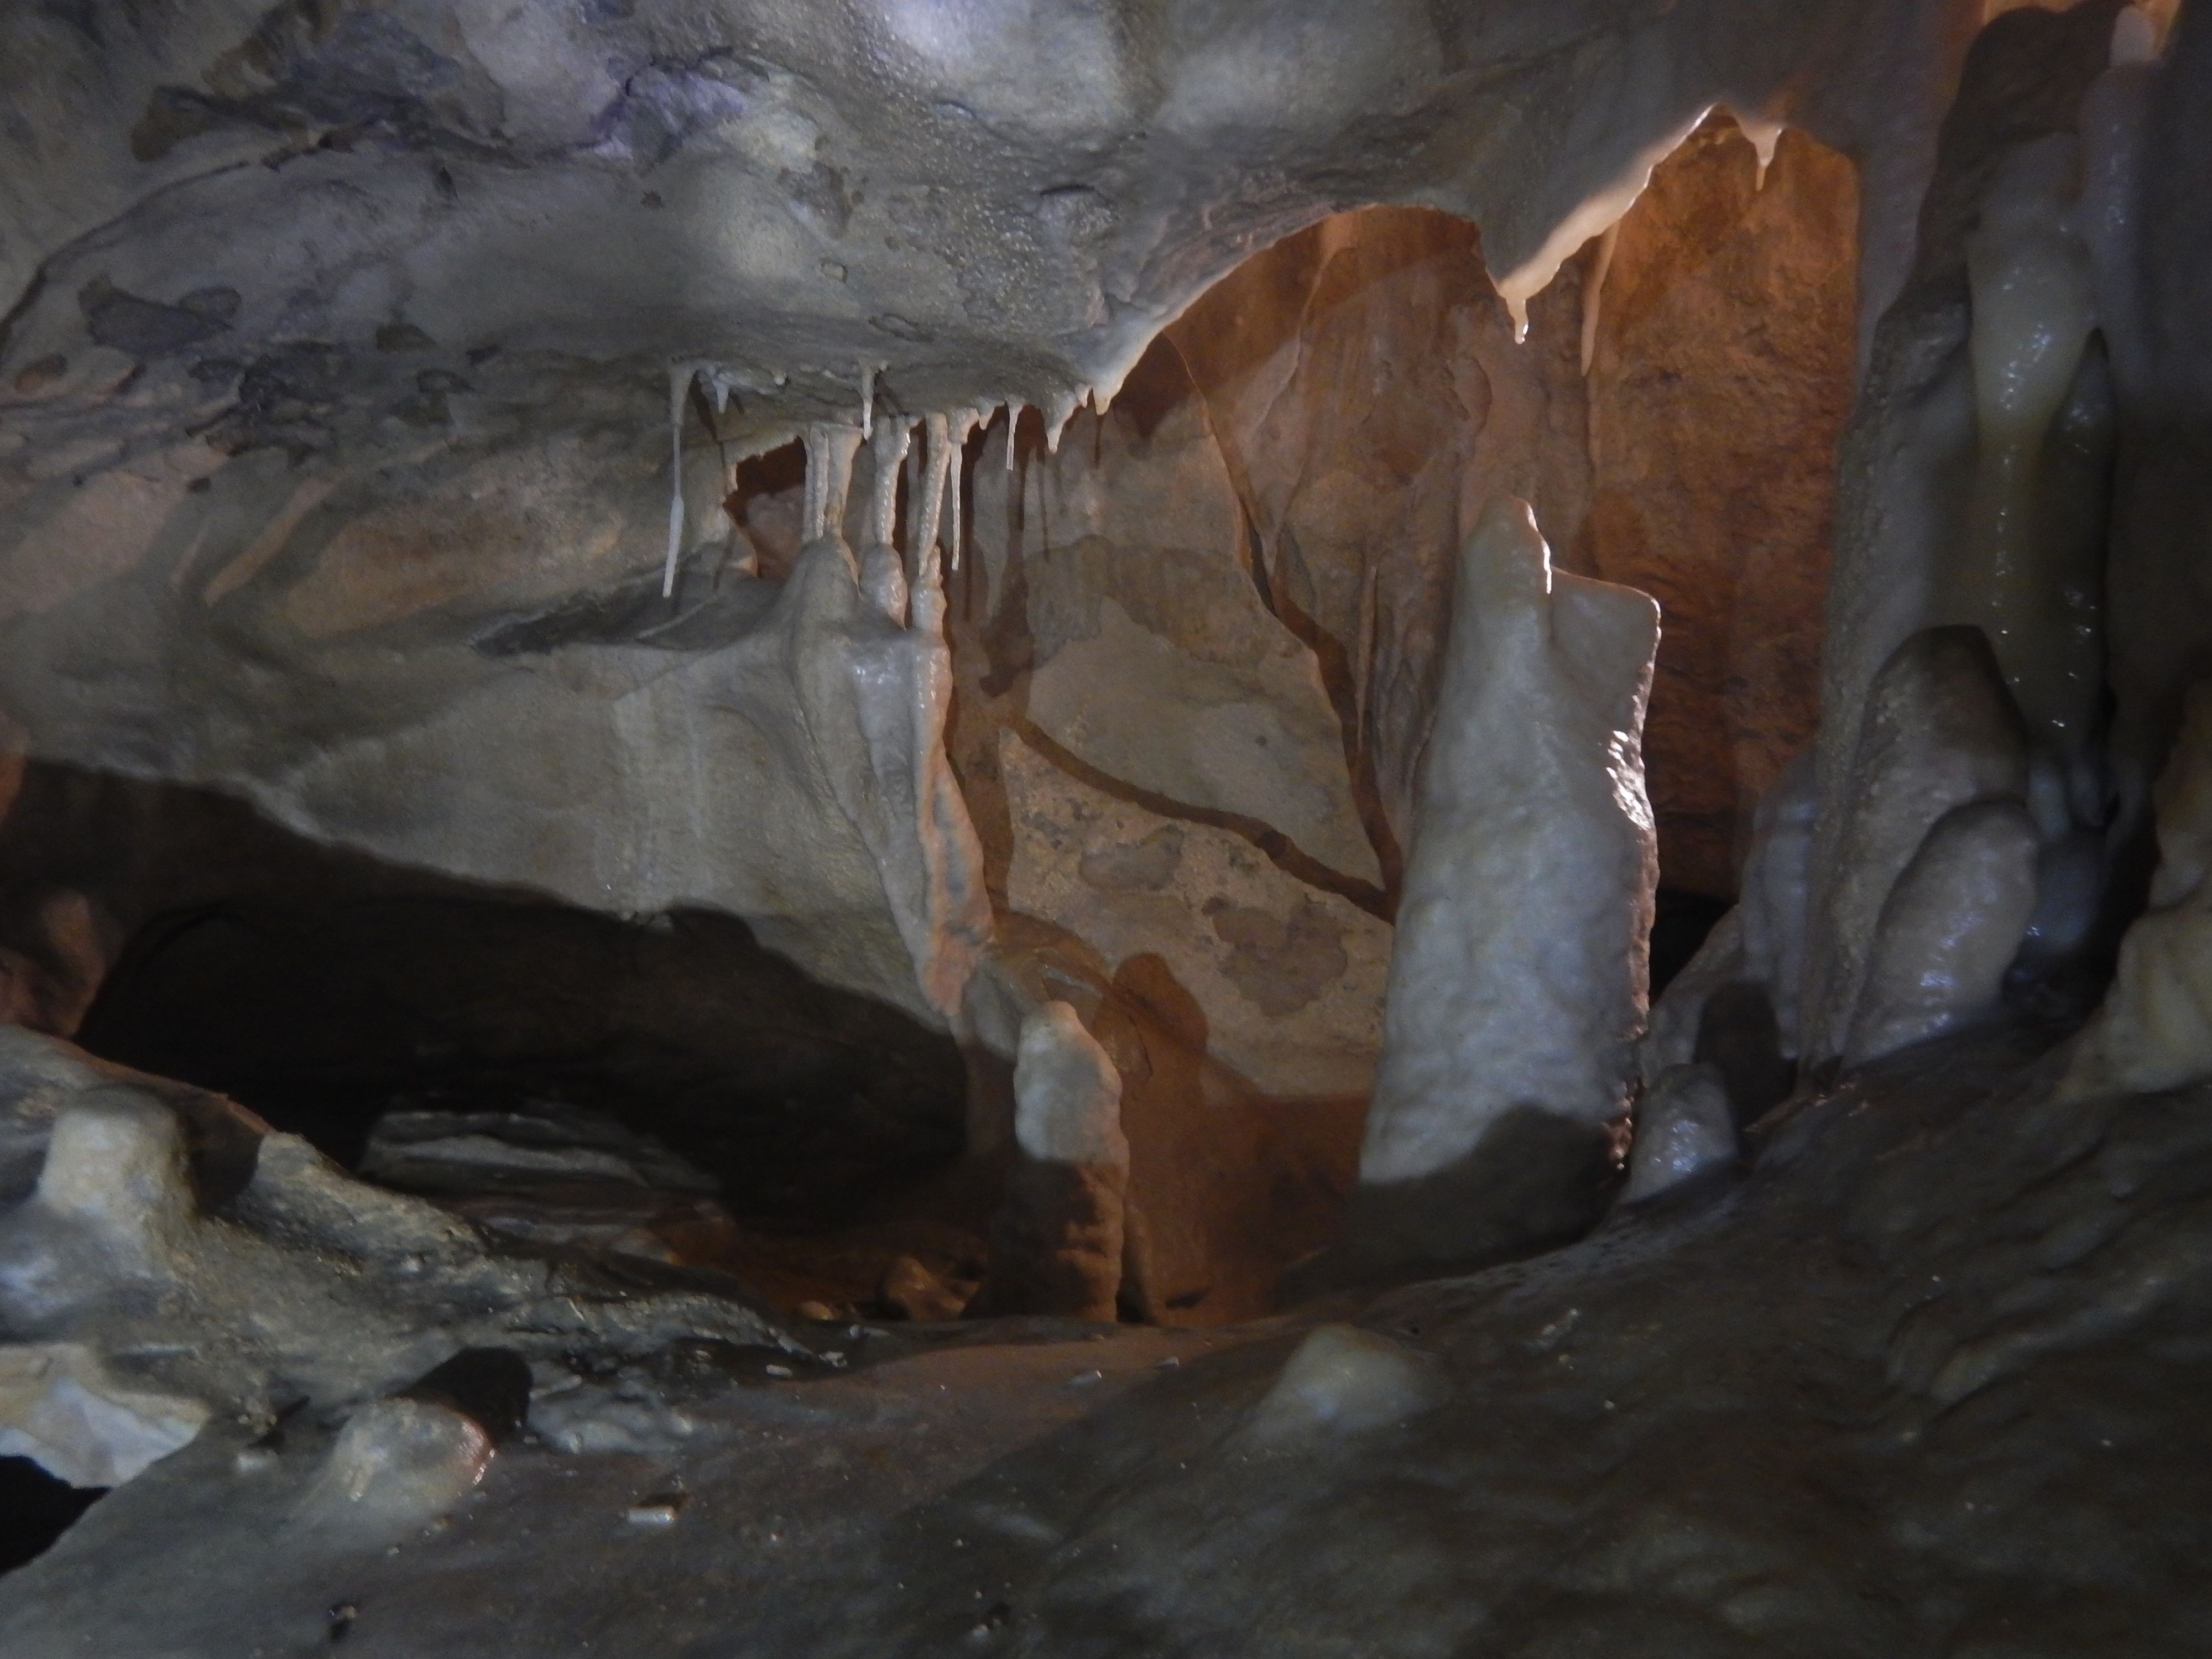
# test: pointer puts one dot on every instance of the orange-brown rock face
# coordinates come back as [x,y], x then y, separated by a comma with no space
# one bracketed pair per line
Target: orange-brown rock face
[1365,386]
[1368,397]
[1718,393]
[1198,647]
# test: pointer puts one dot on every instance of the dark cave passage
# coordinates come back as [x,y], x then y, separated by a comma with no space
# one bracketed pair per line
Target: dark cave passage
[36,1509]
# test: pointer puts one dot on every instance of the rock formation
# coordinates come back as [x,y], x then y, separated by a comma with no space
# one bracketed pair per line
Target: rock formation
[1517,974]
[741,743]
[1056,1243]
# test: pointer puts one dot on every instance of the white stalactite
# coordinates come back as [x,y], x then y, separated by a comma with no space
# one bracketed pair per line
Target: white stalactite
[829,452]
[883,577]
[1765,135]
[962,422]
[868,399]
[1014,429]
[680,387]
[1058,413]
[1594,216]
[1594,293]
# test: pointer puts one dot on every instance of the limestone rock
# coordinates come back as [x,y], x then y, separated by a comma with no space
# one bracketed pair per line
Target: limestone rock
[61,1408]
[397,1464]
[1685,1126]
[1358,511]
[1342,1381]
[1057,1242]
[2154,1029]
[1950,929]
[909,1290]
[1690,335]
[238,1267]
[1517,976]
[1117,574]
[1938,732]
[1288,978]
[443,1150]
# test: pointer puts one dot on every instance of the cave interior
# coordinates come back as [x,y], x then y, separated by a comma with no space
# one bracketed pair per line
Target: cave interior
[1097,830]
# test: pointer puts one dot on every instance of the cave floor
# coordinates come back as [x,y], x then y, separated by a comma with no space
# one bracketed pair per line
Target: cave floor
[1928,1380]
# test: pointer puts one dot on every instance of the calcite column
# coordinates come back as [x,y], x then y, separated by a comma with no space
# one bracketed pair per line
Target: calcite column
[1518,974]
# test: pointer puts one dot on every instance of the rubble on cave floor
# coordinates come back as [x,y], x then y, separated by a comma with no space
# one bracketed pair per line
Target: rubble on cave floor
[1924,1380]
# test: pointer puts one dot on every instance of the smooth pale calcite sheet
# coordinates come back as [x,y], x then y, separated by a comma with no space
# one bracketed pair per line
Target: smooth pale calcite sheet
[1950,928]
[1938,732]
[2154,1030]
[1684,1127]
[1056,1242]
[2026,576]
[1517,977]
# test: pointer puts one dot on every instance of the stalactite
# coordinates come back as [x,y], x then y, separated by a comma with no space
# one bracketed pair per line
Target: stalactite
[1014,429]
[930,504]
[1596,214]
[963,422]
[1058,413]
[680,387]
[830,448]
[882,577]
[1594,291]
[1765,135]
[868,400]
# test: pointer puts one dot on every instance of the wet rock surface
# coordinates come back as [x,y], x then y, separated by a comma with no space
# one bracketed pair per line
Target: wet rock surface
[1923,1382]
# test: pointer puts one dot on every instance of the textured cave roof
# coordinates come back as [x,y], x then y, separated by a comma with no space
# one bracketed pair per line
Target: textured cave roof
[262,217]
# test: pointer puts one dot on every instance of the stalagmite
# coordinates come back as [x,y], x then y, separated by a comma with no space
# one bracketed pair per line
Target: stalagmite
[1056,1243]
[1516,986]
[1950,929]
[883,575]
[1684,1128]
[2154,1030]
[397,1465]
[1339,1382]
[1939,731]
[1735,1001]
